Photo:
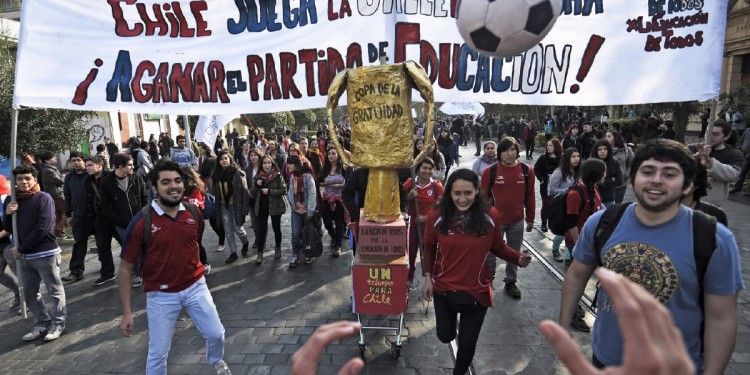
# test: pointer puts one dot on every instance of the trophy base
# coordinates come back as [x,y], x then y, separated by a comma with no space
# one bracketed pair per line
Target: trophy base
[382,202]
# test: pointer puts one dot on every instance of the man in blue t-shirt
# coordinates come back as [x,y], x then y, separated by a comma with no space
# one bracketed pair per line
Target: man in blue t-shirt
[653,246]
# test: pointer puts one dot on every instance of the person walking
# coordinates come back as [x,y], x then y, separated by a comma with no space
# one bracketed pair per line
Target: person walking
[173,274]
[332,179]
[268,190]
[53,185]
[39,252]
[461,234]
[232,202]
[102,233]
[543,169]
[6,256]
[509,184]
[195,194]
[427,193]
[560,180]
[79,214]
[301,197]
[603,151]
[624,155]
[488,158]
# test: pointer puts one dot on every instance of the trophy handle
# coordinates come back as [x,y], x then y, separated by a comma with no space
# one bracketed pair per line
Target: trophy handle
[338,86]
[423,85]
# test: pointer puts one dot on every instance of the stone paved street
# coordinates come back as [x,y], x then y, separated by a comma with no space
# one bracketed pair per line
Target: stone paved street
[270,310]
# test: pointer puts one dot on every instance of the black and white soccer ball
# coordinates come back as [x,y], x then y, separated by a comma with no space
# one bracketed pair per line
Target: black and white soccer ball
[504,28]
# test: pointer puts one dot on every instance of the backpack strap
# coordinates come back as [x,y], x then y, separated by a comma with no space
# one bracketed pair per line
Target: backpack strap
[704,244]
[146,214]
[606,226]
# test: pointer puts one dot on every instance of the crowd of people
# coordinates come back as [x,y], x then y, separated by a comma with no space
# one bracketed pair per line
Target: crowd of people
[241,181]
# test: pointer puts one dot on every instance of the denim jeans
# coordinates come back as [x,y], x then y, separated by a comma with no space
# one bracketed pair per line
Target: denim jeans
[298,221]
[47,270]
[7,261]
[231,227]
[163,310]
[513,238]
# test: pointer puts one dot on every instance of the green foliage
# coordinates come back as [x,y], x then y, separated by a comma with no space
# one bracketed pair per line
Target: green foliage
[271,122]
[304,119]
[192,120]
[52,130]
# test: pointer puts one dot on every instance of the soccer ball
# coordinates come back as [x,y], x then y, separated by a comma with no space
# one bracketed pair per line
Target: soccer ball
[504,28]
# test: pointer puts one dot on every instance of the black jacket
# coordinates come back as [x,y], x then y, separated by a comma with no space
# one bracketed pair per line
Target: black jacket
[74,190]
[353,194]
[119,207]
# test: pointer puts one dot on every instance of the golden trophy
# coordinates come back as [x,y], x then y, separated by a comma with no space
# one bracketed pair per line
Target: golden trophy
[378,102]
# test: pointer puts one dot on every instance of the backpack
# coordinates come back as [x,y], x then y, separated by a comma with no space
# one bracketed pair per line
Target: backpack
[557,216]
[146,213]
[312,237]
[493,174]
[704,244]
[209,205]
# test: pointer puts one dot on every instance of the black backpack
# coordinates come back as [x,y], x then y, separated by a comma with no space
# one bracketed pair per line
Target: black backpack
[557,216]
[704,244]
[493,174]
[312,237]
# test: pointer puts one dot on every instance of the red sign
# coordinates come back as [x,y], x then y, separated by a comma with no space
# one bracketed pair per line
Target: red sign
[379,288]
[382,239]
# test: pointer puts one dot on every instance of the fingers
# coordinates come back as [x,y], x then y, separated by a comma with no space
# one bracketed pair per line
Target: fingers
[352,367]
[305,360]
[566,349]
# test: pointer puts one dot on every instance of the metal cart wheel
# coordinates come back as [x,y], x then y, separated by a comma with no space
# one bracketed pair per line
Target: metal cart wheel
[395,350]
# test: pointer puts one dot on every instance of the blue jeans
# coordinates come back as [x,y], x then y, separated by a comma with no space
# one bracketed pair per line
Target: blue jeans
[231,227]
[164,308]
[513,238]
[298,221]
[47,270]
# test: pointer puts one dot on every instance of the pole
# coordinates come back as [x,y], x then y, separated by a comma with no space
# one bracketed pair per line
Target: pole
[13,152]
[711,120]
[188,139]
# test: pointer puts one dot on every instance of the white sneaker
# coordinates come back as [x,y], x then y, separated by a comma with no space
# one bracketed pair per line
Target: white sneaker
[35,333]
[137,281]
[206,269]
[222,368]
[220,248]
[54,332]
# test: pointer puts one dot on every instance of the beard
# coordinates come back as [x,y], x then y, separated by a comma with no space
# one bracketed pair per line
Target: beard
[169,201]
[668,201]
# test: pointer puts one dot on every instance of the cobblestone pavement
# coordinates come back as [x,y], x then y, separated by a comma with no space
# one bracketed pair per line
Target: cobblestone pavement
[270,310]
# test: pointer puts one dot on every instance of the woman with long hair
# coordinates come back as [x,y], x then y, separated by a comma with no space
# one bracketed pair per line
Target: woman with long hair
[427,191]
[543,169]
[624,155]
[579,209]
[301,197]
[242,153]
[446,146]
[268,189]
[440,170]
[559,182]
[488,158]
[232,202]
[195,194]
[333,178]
[205,169]
[253,168]
[572,138]
[603,151]
[457,239]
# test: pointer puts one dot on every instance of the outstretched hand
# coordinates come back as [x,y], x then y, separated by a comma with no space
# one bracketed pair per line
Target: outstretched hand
[652,343]
[305,360]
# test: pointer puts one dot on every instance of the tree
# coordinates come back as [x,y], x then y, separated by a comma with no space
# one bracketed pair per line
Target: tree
[270,122]
[304,119]
[192,120]
[52,130]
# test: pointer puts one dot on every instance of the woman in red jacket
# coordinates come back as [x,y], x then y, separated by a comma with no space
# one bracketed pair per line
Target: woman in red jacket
[195,194]
[466,230]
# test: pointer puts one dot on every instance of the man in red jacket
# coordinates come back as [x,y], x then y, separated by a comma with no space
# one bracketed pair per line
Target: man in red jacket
[512,193]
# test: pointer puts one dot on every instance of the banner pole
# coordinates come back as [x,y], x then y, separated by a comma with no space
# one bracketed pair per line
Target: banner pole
[711,120]
[13,152]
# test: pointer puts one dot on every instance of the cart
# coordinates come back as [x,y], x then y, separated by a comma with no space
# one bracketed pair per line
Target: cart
[395,346]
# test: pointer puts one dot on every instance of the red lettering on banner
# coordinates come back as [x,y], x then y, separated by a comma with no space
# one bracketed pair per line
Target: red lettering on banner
[447,77]
[288,70]
[160,84]
[143,67]
[216,82]
[167,18]
[255,71]
[406,33]
[200,91]
[181,83]
[308,57]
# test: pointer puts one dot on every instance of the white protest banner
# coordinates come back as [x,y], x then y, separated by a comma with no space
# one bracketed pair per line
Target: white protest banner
[208,127]
[244,56]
